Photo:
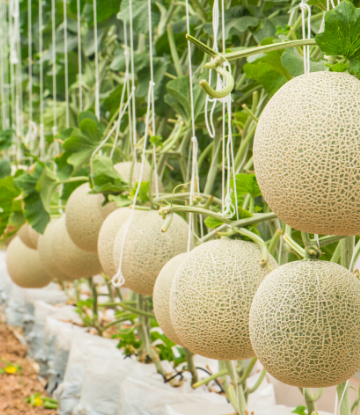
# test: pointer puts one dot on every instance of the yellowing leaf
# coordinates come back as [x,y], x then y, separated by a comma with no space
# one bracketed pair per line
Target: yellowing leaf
[11,369]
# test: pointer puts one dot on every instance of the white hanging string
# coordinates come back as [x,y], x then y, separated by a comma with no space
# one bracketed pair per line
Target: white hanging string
[30,86]
[118,279]
[79,53]
[19,112]
[41,81]
[3,66]
[66,64]
[97,81]
[53,31]
[133,109]
[306,34]
[338,407]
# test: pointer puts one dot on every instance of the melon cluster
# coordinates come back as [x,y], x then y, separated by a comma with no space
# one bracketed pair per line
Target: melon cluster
[211,296]
[306,153]
[305,324]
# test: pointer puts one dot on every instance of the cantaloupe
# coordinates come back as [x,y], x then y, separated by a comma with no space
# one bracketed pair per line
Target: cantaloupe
[107,237]
[24,234]
[211,296]
[161,298]
[83,218]
[69,258]
[147,249]
[306,153]
[46,253]
[305,324]
[34,236]
[24,265]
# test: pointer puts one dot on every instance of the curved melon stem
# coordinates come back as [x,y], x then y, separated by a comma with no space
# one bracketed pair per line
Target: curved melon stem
[191,366]
[344,398]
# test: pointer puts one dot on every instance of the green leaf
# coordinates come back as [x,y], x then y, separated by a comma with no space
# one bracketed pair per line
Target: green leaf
[139,15]
[212,223]
[155,139]
[106,178]
[8,192]
[342,35]
[46,185]
[294,62]
[321,4]
[5,168]
[338,67]
[6,138]
[246,184]
[300,410]
[143,195]
[34,210]
[120,200]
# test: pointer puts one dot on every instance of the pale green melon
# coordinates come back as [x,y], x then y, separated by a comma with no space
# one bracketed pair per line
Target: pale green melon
[83,218]
[305,324]
[24,266]
[69,258]
[211,296]
[148,249]
[161,296]
[46,253]
[107,237]
[34,236]
[24,234]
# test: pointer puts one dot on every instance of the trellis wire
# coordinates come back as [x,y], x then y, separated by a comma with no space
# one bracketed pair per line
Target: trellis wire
[97,81]
[66,64]
[78,15]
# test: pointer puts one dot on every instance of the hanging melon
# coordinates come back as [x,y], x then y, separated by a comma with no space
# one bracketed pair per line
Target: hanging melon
[211,297]
[107,237]
[24,234]
[24,266]
[34,236]
[147,249]
[69,258]
[83,218]
[306,151]
[161,300]
[305,324]
[46,253]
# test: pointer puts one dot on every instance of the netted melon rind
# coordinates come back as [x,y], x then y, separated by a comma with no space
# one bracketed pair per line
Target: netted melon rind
[211,297]
[305,324]
[83,218]
[161,296]
[24,235]
[306,151]
[147,249]
[124,169]
[72,260]
[46,253]
[24,266]
[107,237]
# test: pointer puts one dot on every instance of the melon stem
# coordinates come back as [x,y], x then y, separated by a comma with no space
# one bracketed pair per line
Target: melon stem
[191,366]
[237,389]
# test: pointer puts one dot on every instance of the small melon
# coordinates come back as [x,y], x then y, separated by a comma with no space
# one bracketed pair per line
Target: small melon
[69,258]
[46,253]
[107,237]
[161,300]
[147,248]
[83,218]
[24,266]
[24,234]
[305,324]
[306,151]
[211,297]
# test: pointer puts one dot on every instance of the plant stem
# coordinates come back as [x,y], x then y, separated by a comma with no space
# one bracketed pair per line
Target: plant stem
[210,378]
[241,402]
[258,382]
[336,255]
[347,247]
[95,306]
[134,310]
[310,400]
[247,371]
[173,51]
[344,398]
[191,366]
[327,240]
[228,388]
[274,241]
[74,179]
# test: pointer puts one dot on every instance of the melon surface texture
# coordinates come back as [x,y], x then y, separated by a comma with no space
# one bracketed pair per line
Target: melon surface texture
[83,218]
[69,258]
[305,324]
[107,236]
[211,297]
[24,234]
[306,153]
[147,249]
[161,296]
[46,253]
[24,266]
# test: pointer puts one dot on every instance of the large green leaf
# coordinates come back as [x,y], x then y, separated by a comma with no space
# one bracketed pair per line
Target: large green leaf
[139,15]
[246,184]
[6,138]
[5,168]
[106,178]
[294,62]
[342,35]
[8,192]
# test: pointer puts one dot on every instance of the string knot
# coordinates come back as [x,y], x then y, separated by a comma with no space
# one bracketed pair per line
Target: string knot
[118,280]
[133,88]
[54,130]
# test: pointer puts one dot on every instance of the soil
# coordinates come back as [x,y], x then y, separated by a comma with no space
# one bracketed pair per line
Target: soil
[14,388]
